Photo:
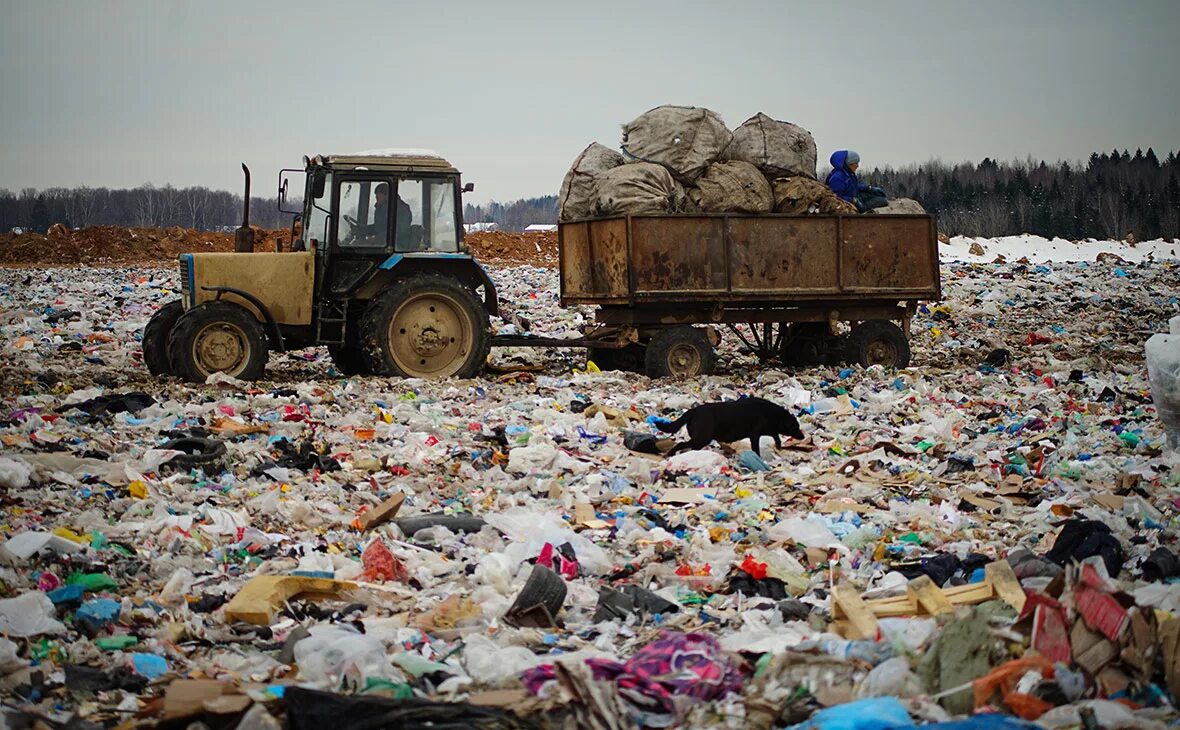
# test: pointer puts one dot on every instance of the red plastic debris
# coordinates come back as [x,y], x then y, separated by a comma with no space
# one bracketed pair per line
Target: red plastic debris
[380,565]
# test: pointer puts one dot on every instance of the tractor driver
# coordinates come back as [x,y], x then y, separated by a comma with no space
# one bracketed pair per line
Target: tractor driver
[381,214]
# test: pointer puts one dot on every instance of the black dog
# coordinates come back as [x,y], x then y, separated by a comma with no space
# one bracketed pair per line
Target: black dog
[733,420]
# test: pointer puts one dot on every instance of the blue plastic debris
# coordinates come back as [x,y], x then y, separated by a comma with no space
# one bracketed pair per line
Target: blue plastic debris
[66,594]
[99,610]
[877,713]
[752,461]
[149,665]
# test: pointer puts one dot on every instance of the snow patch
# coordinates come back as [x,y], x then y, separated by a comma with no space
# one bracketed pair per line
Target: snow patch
[1038,249]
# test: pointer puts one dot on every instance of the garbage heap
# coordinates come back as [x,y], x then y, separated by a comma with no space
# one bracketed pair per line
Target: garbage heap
[992,532]
[678,159]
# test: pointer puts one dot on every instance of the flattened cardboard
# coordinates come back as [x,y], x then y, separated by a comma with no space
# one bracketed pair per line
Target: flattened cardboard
[383,512]
[687,495]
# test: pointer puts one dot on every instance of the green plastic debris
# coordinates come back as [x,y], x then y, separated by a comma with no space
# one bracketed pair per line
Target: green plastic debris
[925,445]
[116,643]
[1129,438]
[396,690]
[98,540]
[93,582]
[912,538]
[418,666]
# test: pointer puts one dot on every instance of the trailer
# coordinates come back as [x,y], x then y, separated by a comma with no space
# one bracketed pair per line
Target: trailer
[802,289]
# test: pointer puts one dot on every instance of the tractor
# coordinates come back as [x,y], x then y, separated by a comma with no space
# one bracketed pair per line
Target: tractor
[376,270]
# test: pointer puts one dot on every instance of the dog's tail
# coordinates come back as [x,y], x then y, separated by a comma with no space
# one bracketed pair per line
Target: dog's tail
[672,426]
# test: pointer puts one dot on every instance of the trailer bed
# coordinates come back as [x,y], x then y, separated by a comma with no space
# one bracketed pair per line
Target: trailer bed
[744,260]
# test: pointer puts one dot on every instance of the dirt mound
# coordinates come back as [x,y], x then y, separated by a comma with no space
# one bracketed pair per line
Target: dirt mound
[535,248]
[106,245]
[118,245]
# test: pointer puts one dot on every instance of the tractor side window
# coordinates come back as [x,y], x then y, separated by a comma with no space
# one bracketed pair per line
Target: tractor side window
[425,216]
[442,216]
[364,214]
[408,221]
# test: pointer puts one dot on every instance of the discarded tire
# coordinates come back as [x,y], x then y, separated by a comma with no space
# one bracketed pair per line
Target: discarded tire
[455,523]
[199,453]
[539,601]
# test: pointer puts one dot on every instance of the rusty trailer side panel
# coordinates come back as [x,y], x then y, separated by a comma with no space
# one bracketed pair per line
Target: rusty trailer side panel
[733,259]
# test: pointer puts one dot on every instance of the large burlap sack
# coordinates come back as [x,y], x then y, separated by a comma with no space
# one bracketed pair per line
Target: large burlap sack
[778,149]
[637,189]
[580,186]
[684,139]
[732,187]
[900,206]
[798,195]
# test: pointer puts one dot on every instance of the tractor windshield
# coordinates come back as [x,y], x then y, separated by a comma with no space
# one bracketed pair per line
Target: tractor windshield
[425,218]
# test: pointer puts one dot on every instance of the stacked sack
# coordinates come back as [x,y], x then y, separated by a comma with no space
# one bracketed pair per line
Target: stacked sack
[679,159]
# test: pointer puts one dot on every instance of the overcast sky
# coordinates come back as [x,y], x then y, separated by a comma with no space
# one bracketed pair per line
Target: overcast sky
[114,93]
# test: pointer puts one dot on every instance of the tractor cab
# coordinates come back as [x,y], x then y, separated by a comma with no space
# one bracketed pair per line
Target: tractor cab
[381,202]
[377,271]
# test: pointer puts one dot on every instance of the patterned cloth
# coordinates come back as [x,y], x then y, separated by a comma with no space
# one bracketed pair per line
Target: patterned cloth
[692,665]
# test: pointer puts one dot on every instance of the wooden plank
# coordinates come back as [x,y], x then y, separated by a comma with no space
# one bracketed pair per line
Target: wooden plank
[929,596]
[1007,586]
[862,622]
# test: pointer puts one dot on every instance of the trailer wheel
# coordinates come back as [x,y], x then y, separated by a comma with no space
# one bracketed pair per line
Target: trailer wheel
[349,360]
[805,344]
[878,342]
[427,326]
[629,358]
[681,352]
[217,337]
[155,338]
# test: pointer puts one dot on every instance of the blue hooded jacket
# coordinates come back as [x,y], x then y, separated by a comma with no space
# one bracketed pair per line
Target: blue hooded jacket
[841,180]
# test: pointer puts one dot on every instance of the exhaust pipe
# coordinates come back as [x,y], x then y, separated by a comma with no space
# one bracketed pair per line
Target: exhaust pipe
[244,236]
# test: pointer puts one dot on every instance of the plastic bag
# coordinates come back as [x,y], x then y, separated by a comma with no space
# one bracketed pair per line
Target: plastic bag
[809,532]
[1163,370]
[891,678]
[334,653]
[29,614]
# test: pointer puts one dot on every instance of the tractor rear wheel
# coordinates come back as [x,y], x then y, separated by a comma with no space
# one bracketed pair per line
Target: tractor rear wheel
[155,338]
[426,326]
[680,352]
[349,360]
[217,337]
[878,342]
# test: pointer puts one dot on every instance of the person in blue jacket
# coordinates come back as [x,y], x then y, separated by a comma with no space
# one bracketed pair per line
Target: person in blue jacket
[842,180]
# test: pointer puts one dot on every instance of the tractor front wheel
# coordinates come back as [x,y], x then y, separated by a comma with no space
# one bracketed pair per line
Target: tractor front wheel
[217,337]
[426,327]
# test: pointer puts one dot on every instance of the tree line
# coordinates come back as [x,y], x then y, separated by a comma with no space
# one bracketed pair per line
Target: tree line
[1109,196]
[144,207]
[514,216]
